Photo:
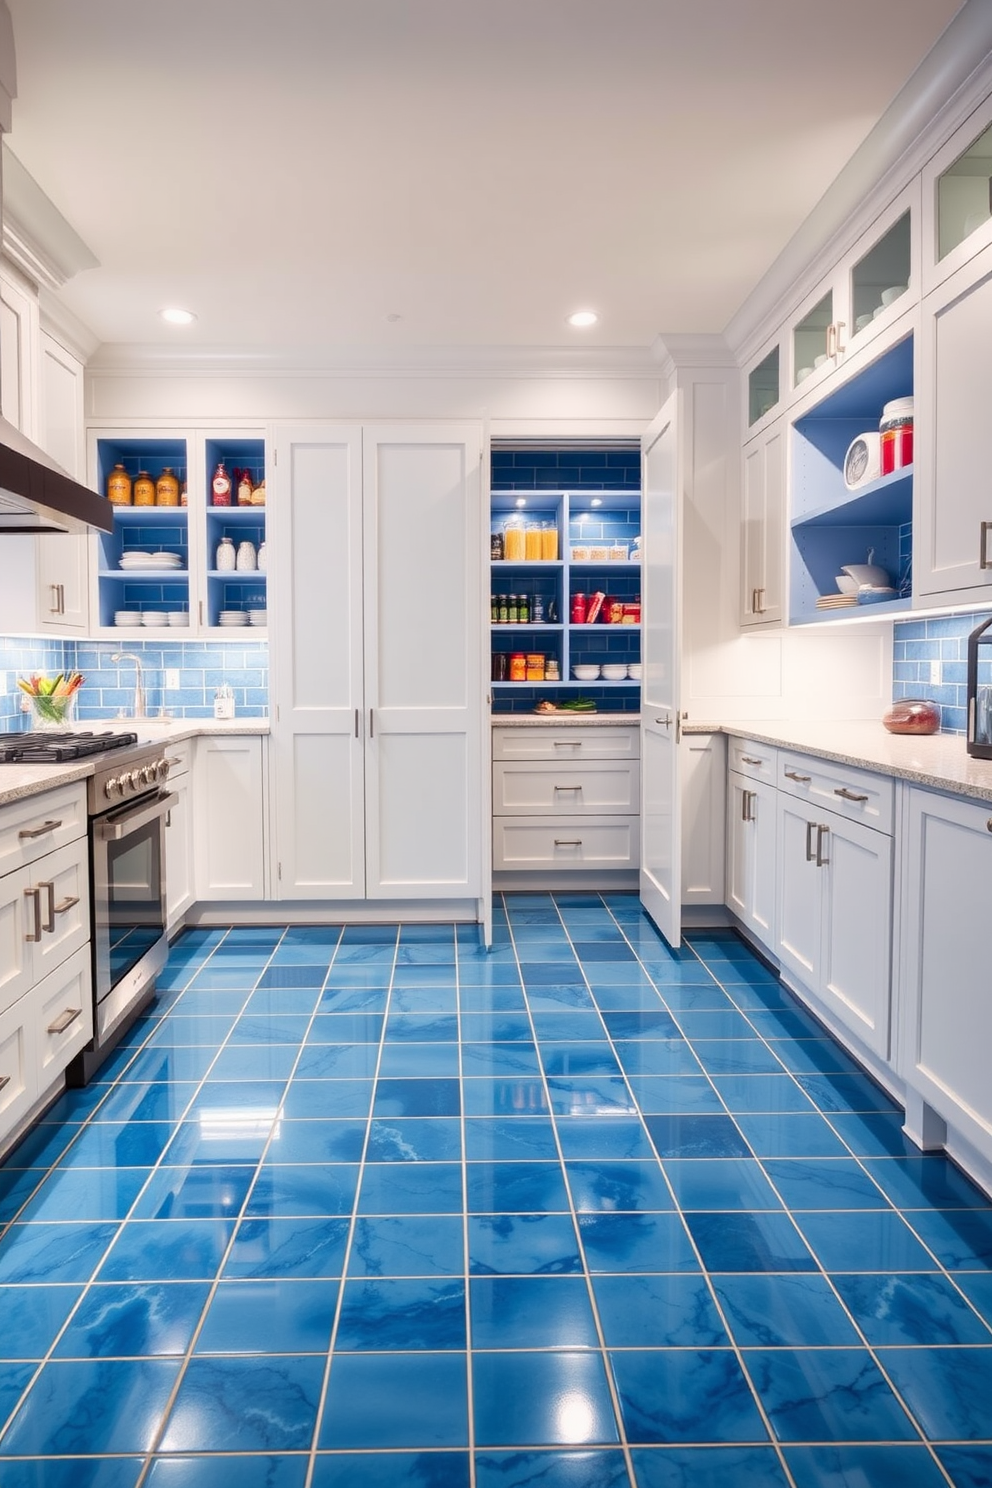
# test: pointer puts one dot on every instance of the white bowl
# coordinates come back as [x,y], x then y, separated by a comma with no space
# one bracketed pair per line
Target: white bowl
[634,671]
[846,584]
[862,321]
[890,295]
[614,671]
[820,359]
[866,573]
[585,671]
[803,373]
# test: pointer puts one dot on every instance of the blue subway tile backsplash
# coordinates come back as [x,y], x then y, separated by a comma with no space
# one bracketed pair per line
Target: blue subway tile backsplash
[944,639]
[108,688]
[566,470]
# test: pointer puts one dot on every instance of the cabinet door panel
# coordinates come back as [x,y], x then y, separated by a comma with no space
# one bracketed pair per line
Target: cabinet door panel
[857,929]
[179,851]
[227,840]
[63,880]
[739,868]
[18,1074]
[317,644]
[798,896]
[423,666]
[16,918]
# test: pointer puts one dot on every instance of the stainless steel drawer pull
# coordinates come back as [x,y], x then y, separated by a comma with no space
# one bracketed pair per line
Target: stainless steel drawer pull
[63,1020]
[795,775]
[747,760]
[568,787]
[356,722]
[983,546]
[821,833]
[748,799]
[35,894]
[848,795]
[4,1081]
[568,842]
[26,833]
[810,829]
[988,825]
[757,608]
[566,743]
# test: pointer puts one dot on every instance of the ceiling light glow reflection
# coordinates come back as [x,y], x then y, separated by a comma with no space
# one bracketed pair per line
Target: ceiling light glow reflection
[574,1417]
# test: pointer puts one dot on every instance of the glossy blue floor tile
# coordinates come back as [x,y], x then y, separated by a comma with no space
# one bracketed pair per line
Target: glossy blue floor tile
[370,1205]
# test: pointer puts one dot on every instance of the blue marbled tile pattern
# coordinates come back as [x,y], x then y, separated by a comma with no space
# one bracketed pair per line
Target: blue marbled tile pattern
[373,1207]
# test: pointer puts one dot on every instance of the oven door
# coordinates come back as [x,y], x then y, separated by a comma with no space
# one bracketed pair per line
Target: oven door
[129,903]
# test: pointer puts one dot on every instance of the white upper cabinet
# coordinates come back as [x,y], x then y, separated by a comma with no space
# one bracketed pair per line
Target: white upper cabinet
[957,199]
[953,515]
[764,388]
[377,662]
[763,527]
[61,560]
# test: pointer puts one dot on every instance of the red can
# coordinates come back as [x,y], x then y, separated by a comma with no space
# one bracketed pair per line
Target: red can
[578,609]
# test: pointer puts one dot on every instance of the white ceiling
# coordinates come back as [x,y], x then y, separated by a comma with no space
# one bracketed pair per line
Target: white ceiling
[299,172]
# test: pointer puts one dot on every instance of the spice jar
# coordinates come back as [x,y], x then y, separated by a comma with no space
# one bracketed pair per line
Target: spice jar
[518,666]
[144,489]
[258,494]
[552,672]
[535,666]
[226,560]
[167,488]
[244,488]
[119,487]
[896,435]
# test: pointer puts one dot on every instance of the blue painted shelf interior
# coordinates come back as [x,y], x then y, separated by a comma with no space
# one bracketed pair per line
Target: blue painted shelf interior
[594,517]
[148,529]
[833,526]
[243,590]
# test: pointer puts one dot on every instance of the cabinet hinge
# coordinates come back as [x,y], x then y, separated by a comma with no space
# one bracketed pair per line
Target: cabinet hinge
[275,456]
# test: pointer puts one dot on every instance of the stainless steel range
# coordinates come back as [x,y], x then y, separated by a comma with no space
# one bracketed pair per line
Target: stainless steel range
[128,804]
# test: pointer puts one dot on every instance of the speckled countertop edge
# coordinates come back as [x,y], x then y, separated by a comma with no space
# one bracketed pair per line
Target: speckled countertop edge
[569,720]
[18,781]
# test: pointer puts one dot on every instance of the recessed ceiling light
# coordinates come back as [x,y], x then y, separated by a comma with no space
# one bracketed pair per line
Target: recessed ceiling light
[392,317]
[582,318]
[175,316]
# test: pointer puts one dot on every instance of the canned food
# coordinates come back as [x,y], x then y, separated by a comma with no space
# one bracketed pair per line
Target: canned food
[613,611]
[535,666]
[632,613]
[518,666]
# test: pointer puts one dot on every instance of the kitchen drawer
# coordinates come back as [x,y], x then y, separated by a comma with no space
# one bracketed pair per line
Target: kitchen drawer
[584,842]
[547,742]
[567,788]
[180,756]
[31,827]
[855,794]
[59,884]
[61,1016]
[18,1081]
[756,761]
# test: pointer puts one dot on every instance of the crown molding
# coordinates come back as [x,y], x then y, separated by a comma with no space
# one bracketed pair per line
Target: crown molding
[36,236]
[679,351]
[949,84]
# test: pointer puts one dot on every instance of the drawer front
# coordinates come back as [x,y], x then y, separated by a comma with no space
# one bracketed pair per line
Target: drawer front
[62,1016]
[61,883]
[856,794]
[34,826]
[179,756]
[546,742]
[18,1084]
[582,842]
[756,761]
[593,788]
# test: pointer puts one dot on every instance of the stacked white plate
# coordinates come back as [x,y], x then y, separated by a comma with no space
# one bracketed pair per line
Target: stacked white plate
[127,617]
[258,617]
[136,559]
[154,618]
[177,617]
[233,617]
[836,601]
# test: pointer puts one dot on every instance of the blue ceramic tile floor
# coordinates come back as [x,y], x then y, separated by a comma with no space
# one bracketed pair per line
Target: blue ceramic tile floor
[369,1207]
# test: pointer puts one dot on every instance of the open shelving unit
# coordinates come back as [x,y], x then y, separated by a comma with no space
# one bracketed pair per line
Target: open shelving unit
[600,519]
[831,525]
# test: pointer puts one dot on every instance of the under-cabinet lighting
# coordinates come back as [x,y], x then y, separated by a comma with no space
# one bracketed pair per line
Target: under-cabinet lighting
[521,500]
[583,318]
[595,501]
[175,316]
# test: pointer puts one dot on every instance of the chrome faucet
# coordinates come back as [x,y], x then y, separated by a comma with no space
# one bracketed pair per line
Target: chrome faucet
[138,710]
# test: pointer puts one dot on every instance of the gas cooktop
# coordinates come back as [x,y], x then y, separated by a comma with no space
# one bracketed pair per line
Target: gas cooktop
[48,748]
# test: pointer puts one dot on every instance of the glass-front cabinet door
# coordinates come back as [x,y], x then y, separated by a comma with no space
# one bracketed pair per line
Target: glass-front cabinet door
[764,387]
[957,198]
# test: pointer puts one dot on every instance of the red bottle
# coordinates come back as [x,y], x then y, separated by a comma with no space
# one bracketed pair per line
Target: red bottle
[578,609]
[220,487]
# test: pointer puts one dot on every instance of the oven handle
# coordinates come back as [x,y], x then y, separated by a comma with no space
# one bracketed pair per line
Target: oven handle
[115,826]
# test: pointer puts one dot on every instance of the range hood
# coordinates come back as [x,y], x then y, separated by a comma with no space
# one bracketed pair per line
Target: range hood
[36,495]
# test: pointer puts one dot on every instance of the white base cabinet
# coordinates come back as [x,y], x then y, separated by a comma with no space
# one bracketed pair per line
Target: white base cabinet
[945,1024]
[752,854]
[228,825]
[179,835]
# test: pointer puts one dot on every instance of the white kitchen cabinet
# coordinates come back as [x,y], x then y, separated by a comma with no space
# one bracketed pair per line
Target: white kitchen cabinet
[835,917]
[763,386]
[62,561]
[377,662]
[179,835]
[945,1021]
[228,825]
[752,854]
[952,524]
[704,795]
[763,527]
[957,209]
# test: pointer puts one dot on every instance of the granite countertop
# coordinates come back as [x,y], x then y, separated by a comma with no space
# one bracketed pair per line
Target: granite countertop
[939,761]
[17,781]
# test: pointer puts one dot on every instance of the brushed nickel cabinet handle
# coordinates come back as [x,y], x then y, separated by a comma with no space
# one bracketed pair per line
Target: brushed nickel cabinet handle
[4,1081]
[371,725]
[821,833]
[566,743]
[35,894]
[63,1021]
[747,760]
[568,787]
[61,599]
[848,795]
[988,825]
[757,607]
[810,829]
[46,826]
[794,775]
[356,722]
[838,344]
[748,798]
[53,607]
[831,340]
[983,546]
[568,842]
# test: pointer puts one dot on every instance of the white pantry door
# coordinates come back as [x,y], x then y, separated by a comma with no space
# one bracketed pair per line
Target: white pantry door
[315,628]
[423,669]
[661,640]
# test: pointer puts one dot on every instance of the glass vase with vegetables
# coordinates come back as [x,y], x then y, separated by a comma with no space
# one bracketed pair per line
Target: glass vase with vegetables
[52,699]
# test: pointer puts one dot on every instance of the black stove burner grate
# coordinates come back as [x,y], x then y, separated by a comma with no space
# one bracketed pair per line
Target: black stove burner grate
[41,748]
